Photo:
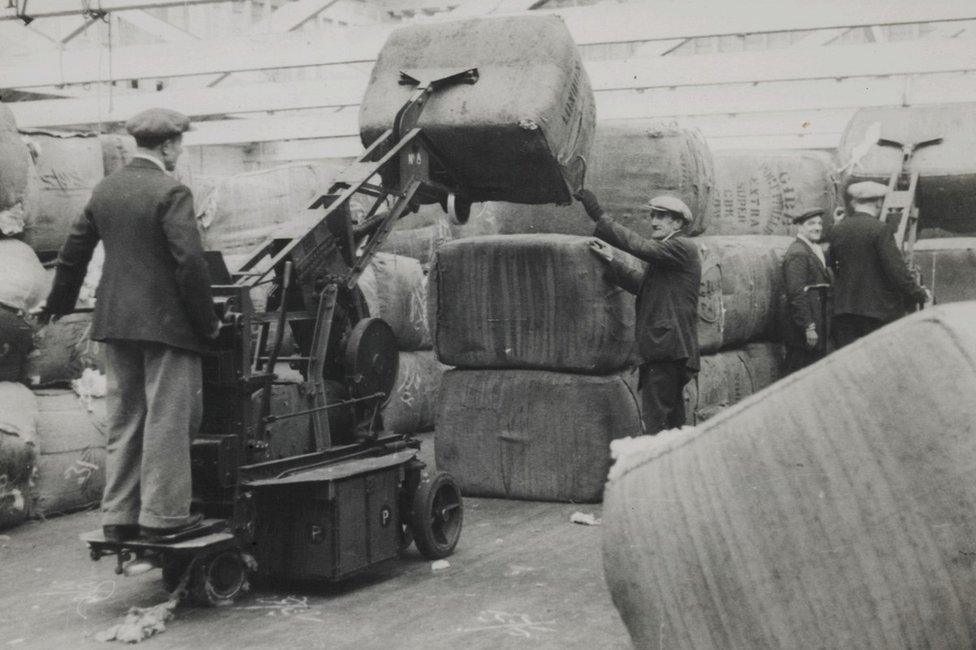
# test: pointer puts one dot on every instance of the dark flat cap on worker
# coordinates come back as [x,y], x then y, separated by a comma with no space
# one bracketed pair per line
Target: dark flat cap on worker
[671,204]
[157,123]
[867,191]
[806,214]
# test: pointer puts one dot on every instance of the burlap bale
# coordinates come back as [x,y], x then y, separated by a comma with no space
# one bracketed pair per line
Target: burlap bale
[528,301]
[420,235]
[117,150]
[395,289]
[758,192]
[15,163]
[18,432]
[947,181]
[834,509]
[71,452]
[64,350]
[521,132]
[948,267]
[413,403]
[631,162]
[529,434]
[728,377]
[23,281]
[69,166]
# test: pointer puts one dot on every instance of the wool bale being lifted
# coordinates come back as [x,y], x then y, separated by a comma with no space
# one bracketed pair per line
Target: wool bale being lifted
[521,133]
[413,403]
[69,166]
[15,167]
[530,434]
[757,192]
[70,452]
[631,162]
[18,431]
[741,292]
[947,171]
[728,377]
[835,509]
[63,350]
[948,267]
[528,301]
[395,290]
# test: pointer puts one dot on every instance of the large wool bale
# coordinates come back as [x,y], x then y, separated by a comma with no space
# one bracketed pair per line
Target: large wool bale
[530,434]
[757,192]
[23,282]
[631,161]
[15,167]
[741,292]
[528,301]
[947,181]
[71,443]
[521,132]
[69,166]
[395,289]
[948,267]
[835,509]
[413,403]
[728,377]
[420,235]
[117,150]
[63,350]
[18,431]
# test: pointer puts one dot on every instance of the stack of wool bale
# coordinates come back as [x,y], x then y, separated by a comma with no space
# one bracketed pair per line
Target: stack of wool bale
[543,347]
[18,178]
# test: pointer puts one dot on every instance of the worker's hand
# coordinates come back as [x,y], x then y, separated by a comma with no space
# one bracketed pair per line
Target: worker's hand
[590,204]
[602,250]
[42,316]
[812,338]
[839,214]
[929,297]
[215,332]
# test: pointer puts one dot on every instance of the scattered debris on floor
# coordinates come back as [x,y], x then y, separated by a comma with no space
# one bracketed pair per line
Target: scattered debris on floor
[140,623]
[584,519]
[440,565]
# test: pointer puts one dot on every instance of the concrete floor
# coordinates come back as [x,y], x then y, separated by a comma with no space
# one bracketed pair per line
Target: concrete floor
[522,576]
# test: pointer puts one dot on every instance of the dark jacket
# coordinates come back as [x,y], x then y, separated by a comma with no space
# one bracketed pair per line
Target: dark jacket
[155,285]
[871,277]
[801,269]
[667,292]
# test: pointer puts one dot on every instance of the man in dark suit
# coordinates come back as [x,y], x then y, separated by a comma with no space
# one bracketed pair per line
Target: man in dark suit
[807,279]
[667,301]
[154,311]
[873,285]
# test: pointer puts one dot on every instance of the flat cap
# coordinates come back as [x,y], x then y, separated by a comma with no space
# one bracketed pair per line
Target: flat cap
[157,123]
[806,214]
[866,191]
[671,204]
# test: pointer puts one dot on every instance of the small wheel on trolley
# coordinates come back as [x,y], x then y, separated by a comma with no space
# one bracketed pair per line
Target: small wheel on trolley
[220,579]
[436,516]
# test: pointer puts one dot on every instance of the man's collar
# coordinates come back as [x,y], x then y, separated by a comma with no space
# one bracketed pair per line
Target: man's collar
[670,235]
[145,156]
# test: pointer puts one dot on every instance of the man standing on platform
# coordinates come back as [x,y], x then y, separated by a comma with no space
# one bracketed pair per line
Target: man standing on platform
[154,311]
[667,301]
[808,281]
[873,285]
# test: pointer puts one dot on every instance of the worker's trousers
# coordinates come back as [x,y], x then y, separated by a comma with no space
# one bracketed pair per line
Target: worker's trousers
[848,328]
[662,394]
[155,404]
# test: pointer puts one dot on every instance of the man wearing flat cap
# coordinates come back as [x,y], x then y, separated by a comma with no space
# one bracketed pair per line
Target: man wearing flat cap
[872,285]
[808,280]
[667,301]
[155,314]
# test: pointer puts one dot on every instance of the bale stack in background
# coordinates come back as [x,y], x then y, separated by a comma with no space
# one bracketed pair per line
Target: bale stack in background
[947,182]
[18,432]
[948,267]
[757,192]
[23,287]
[69,165]
[543,343]
[17,177]
[631,161]
[834,509]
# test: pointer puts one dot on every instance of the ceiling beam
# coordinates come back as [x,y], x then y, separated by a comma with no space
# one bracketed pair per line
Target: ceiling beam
[48,8]
[156,26]
[589,25]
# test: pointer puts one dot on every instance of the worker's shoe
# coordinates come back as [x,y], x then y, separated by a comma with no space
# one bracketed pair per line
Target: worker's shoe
[156,534]
[120,532]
